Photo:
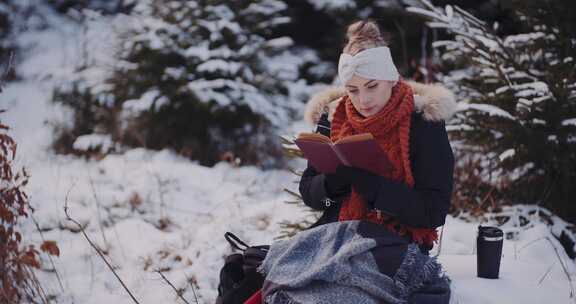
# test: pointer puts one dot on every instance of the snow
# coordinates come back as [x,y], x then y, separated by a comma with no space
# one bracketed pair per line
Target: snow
[102,142]
[267,7]
[215,65]
[124,199]
[144,103]
[449,12]
[488,109]
[389,4]
[442,43]
[522,268]
[569,122]
[201,204]
[490,43]
[501,90]
[244,208]
[533,88]
[284,66]
[201,51]
[523,38]
[422,11]
[332,4]
[507,154]
[280,43]
[175,73]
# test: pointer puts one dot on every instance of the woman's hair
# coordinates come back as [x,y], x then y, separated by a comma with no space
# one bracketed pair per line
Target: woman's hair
[362,35]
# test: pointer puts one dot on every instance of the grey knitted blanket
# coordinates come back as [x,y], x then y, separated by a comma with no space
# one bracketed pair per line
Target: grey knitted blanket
[348,262]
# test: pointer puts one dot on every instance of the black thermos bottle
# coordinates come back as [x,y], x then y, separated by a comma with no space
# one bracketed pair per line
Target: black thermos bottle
[489,251]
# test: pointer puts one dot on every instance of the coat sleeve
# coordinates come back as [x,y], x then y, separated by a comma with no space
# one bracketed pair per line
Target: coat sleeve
[311,185]
[312,189]
[427,203]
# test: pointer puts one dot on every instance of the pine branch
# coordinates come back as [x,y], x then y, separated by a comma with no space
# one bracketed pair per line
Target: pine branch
[286,141]
[295,172]
[292,193]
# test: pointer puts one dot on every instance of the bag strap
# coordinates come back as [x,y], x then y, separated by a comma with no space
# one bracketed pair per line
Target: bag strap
[256,252]
[235,241]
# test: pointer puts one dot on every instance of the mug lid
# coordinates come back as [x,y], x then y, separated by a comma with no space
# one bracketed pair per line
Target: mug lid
[490,231]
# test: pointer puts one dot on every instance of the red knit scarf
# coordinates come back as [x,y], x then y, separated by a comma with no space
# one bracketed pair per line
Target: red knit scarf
[391,129]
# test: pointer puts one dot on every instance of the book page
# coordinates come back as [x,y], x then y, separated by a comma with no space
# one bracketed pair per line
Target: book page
[322,156]
[354,138]
[314,137]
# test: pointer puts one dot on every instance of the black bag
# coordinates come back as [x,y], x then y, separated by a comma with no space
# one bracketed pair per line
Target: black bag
[239,279]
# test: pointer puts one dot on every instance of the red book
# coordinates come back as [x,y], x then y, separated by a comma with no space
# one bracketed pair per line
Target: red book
[360,151]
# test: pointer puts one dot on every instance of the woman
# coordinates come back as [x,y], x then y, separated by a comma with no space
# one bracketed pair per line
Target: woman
[406,119]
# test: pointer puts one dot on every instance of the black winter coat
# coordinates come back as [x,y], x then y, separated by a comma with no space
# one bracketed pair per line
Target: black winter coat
[426,205]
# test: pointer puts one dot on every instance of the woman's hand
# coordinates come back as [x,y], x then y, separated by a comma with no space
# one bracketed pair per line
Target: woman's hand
[337,184]
[366,183]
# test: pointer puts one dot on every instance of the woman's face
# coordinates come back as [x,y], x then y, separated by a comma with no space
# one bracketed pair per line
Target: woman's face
[369,96]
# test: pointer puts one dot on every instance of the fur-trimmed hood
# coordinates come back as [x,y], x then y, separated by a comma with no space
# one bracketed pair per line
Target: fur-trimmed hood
[434,101]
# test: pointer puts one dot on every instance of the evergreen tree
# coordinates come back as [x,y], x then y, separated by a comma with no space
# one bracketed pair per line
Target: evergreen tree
[16,18]
[102,6]
[202,77]
[4,29]
[13,17]
[517,97]
[321,25]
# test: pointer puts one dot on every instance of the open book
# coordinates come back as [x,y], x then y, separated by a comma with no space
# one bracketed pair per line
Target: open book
[360,151]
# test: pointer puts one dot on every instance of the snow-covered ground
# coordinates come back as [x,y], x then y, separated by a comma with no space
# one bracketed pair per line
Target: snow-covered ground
[155,210]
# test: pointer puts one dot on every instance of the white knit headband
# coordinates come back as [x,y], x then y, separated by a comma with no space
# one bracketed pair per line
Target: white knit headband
[374,63]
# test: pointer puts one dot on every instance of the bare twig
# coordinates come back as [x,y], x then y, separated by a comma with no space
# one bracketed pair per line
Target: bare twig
[3,293]
[160,184]
[89,259]
[49,255]
[193,291]
[9,68]
[530,243]
[546,273]
[97,200]
[563,267]
[488,195]
[178,292]
[119,242]
[36,285]
[96,248]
